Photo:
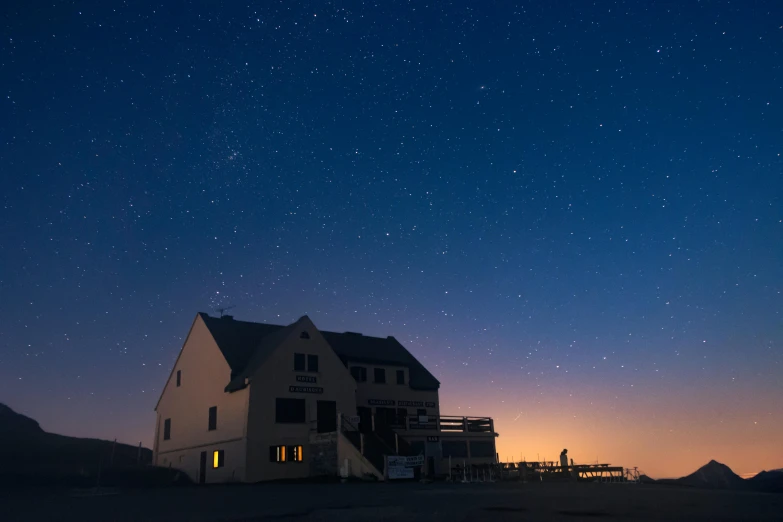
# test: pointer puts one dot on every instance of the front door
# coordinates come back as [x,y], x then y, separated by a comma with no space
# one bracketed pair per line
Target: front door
[202,468]
[365,419]
[327,416]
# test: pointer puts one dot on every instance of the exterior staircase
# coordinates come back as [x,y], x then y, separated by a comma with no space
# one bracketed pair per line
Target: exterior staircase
[374,446]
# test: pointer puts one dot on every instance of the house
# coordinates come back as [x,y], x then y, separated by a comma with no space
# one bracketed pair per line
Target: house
[250,401]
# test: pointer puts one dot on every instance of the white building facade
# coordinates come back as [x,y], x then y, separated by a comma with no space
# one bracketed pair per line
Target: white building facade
[248,402]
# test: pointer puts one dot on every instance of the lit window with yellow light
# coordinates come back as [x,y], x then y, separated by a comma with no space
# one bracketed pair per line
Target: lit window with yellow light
[217,459]
[277,454]
[296,453]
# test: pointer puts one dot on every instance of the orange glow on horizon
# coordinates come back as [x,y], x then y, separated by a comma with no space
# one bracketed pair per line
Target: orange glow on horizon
[667,435]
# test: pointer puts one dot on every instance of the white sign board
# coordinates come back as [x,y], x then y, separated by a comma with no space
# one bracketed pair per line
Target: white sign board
[353,419]
[405,462]
[424,419]
[397,472]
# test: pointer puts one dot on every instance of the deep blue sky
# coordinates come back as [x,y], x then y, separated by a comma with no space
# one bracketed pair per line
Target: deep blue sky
[571,213]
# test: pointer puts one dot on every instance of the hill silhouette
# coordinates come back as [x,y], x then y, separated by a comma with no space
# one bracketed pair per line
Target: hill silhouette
[713,475]
[767,481]
[32,456]
[16,425]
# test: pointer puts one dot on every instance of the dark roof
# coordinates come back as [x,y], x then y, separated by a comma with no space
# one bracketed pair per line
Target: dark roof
[262,352]
[360,348]
[237,340]
[246,345]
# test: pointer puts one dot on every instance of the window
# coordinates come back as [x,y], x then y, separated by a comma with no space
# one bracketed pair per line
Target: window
[380,375]
[285,454]
[359,373]
[217,459]
[421,412]
[482,449]
[312,363]
[299,362]
[290,411]
[304,335]
[277,454]
[400,376]
[167,429]
[212,418]
[179,378]
[402,415]
[454,448]
[295,453]
[385,416]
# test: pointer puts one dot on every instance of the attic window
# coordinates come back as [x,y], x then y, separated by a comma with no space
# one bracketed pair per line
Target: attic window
[304,335]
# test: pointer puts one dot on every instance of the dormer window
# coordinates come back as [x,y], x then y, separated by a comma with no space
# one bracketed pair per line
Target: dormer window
[304,335]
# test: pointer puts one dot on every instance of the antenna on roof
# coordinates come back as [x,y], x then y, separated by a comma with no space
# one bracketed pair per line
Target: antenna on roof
[224,309]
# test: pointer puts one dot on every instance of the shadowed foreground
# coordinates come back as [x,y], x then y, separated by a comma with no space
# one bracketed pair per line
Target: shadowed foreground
[431,503]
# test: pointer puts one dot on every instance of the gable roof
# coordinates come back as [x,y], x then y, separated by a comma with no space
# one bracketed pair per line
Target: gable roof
[247,345]
[237,340]
[262,352]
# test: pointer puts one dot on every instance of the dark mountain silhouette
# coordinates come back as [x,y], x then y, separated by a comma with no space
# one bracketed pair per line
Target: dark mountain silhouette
[23,443]
[713,475]
[767,481]
[32,456]
[16,425]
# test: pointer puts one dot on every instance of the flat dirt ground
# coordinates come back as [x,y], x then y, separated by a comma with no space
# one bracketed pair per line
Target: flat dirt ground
[396,502]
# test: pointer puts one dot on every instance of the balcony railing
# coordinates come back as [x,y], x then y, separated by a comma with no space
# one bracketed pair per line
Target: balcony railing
[466,424]
[444,423]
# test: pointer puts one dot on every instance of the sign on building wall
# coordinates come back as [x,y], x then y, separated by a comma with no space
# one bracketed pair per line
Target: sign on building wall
[429,404]
[411,404]
[397,472]
[433,438]
[380,402]
[406,462]
[306,378]
[305,389]
[402,467]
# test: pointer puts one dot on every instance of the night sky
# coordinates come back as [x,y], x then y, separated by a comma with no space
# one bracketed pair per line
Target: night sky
[572,214]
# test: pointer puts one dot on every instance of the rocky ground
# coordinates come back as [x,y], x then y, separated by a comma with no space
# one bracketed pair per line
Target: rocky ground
[396,502]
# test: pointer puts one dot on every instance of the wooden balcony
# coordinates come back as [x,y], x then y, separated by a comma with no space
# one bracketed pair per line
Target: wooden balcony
[446,424]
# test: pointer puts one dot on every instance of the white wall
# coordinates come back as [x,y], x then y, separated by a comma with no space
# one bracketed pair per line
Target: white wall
[271,381]
[188,462]
[205,374]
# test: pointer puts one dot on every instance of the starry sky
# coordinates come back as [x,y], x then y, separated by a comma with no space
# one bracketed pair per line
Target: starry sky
[570,212]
